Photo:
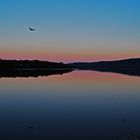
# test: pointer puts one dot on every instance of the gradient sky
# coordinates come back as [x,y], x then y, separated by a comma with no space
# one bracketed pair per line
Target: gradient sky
[69,30]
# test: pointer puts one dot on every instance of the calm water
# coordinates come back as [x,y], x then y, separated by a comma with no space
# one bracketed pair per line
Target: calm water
[81,105]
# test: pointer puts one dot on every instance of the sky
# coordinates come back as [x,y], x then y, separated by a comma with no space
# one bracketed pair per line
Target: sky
[69,30]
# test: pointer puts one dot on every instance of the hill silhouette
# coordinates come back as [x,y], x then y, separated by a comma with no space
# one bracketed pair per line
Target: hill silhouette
[29,64]
[31,68]
[35,68]
[126,66]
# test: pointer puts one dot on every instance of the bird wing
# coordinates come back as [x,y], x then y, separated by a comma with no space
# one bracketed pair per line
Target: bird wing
[31,29]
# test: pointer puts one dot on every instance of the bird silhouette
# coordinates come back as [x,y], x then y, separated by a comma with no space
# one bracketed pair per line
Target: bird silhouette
[31,29]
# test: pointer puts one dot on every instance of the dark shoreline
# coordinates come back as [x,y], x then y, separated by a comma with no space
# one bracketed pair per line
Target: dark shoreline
[35,68]
[125,66]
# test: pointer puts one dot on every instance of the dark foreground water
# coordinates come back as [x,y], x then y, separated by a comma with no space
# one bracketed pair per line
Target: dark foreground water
[81,105]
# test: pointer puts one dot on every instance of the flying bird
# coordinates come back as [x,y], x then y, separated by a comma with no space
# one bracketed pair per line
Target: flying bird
[31,29]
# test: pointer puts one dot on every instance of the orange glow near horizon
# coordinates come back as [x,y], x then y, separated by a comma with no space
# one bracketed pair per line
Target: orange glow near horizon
[67,56]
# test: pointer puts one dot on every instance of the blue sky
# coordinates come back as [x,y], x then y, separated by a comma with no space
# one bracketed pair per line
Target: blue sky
[67,27]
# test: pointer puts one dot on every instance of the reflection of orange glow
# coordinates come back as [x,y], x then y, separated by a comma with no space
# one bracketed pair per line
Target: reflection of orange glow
[93,77]
[74,81]
[84,77]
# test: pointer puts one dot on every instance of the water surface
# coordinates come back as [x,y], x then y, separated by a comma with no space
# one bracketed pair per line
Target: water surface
[82,105]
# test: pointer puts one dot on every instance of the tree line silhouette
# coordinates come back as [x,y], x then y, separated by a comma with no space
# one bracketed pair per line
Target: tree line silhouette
[29,64]
[34,68]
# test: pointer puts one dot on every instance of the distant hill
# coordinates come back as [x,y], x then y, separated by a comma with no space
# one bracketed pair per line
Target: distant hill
[31,68]
[21,68]
[29,64]
[126,66]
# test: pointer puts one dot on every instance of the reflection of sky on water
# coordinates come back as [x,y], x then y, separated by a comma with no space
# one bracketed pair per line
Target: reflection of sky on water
[82,104]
